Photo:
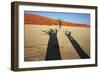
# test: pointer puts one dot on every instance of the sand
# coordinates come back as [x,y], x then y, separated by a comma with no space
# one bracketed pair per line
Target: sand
[36,42]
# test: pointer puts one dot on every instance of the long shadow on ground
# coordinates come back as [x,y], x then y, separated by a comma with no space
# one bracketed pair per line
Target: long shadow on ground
[53,52]
[76,46]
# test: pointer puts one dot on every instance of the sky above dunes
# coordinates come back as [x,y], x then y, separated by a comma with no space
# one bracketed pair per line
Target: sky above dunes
[71,17]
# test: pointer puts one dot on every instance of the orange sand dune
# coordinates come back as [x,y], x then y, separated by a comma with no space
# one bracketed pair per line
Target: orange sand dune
[42,20]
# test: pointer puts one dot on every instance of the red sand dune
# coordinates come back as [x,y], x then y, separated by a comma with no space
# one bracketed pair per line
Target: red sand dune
[42,20]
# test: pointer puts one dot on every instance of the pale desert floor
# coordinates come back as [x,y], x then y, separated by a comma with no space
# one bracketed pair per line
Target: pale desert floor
[36,42]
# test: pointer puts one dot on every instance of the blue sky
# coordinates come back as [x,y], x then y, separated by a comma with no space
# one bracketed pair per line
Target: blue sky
[71,17]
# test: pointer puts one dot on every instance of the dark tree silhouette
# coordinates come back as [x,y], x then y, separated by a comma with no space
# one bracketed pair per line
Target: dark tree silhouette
[53,52]
[60,22]
[76,46]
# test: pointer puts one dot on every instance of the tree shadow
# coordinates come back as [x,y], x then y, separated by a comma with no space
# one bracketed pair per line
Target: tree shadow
[76,46]
[53,52]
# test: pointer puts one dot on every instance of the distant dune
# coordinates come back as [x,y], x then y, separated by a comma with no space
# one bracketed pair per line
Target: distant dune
[42,20]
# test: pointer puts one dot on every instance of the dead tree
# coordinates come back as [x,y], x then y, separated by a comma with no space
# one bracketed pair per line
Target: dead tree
[60,22]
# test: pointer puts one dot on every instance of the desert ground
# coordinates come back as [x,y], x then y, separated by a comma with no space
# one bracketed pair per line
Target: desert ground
[36,41]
